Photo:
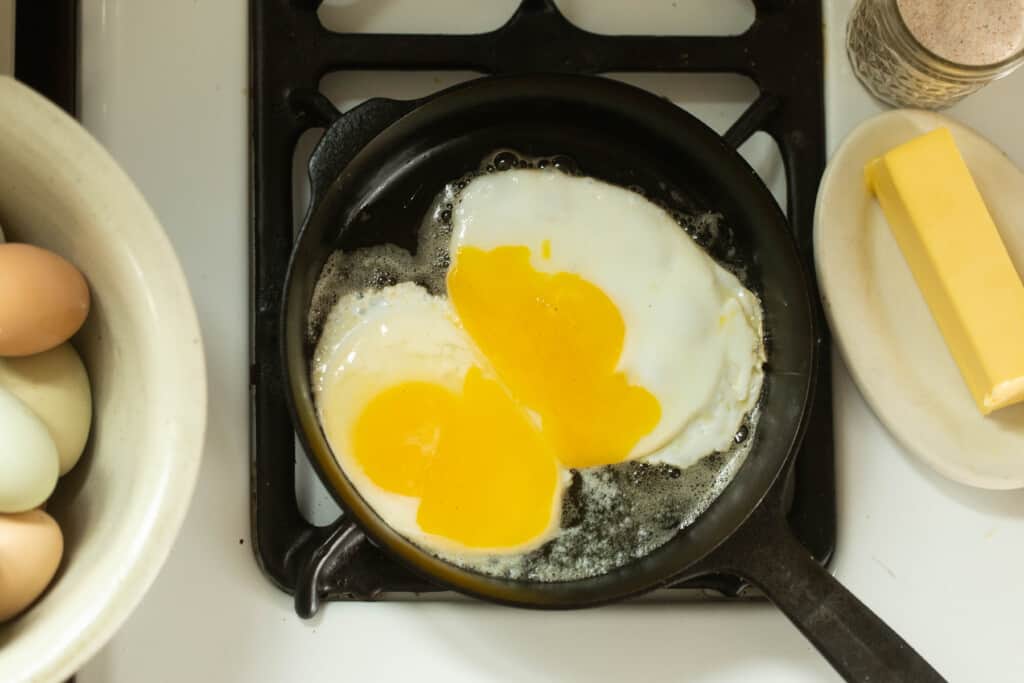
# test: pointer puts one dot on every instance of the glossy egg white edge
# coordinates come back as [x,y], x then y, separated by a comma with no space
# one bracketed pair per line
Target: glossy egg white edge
[122,506]
[693,331]
[377,339]
[893,348]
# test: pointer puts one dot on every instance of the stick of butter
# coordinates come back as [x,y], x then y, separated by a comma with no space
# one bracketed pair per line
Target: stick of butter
[958,260]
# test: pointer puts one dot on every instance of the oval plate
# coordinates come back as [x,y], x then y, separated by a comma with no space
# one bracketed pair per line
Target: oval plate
[882,325]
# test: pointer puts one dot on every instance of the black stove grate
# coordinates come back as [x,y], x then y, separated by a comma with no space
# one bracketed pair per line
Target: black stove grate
[46,50]
[782,52]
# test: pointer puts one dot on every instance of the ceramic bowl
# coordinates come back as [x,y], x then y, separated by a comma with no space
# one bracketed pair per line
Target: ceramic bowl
[123,504]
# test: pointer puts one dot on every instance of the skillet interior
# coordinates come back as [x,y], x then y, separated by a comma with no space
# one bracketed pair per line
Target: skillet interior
[616,133]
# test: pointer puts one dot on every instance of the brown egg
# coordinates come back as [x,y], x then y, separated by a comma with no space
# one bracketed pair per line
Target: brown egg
[43,300]
[31,546]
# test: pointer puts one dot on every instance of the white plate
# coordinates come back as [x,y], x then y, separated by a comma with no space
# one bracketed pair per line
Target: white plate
[883,327]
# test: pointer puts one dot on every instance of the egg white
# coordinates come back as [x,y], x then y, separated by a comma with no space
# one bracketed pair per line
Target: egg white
[693,331]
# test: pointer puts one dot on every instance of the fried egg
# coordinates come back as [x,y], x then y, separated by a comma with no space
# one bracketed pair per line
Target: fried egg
[604,318]
[582,327]
[431,441]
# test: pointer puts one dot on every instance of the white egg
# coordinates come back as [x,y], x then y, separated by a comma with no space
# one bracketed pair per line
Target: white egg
[54,384]
[693,332]
[29,464]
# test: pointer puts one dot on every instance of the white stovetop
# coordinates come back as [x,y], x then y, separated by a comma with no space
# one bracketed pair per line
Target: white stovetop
[165,87]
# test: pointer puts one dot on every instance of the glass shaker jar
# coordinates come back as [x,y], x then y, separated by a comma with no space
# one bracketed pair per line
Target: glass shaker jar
[931,53]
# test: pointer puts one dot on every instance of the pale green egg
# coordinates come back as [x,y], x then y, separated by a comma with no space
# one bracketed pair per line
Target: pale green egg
[29,464]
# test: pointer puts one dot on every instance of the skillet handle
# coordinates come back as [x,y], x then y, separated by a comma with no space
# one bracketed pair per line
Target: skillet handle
[859,645]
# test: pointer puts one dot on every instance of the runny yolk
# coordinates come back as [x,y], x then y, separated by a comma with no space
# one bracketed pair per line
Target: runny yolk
[495,478]
[554,341]
[396,436]
[485,476]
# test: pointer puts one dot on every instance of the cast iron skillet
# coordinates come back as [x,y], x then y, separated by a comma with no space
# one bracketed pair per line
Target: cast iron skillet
[631,138]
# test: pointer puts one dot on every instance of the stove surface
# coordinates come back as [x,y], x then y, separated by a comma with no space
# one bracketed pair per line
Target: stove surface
[165,87]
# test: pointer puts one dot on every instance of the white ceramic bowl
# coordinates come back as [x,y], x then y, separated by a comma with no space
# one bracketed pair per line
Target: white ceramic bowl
[122,506]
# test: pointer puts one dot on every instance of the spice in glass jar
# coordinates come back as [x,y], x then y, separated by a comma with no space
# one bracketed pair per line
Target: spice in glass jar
[932,53]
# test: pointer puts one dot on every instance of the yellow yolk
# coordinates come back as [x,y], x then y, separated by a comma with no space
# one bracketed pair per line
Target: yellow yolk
[485,476]
[554,341]
[397,434]
[495,478]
